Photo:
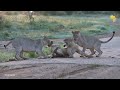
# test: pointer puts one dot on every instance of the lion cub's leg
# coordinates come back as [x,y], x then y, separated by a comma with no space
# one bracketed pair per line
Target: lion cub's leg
[100,53]
[84,48]
[98,50]
[92,51]
[83,51]
[17,56]
[18,51]
[83,54]
[21,55]
[70,52]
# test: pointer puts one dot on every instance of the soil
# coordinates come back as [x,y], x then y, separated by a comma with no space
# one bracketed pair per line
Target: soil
[105,67]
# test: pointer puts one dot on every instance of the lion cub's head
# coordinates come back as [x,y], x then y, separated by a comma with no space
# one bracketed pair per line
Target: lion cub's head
[68,41]
[76,34]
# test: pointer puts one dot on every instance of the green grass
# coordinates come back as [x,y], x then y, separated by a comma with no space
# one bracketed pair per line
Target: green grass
[5,56]
[54,26]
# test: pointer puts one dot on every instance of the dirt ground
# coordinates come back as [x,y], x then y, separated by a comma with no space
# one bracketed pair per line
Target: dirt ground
[105,67]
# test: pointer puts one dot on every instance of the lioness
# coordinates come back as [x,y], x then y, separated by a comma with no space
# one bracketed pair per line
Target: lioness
[89,42]
[28,45]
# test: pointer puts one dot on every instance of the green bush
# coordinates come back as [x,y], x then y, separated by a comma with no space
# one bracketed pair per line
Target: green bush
[31,55]
[5,56]
[46,51]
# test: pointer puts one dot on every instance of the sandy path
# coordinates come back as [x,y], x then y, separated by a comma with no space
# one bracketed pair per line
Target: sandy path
[107,66]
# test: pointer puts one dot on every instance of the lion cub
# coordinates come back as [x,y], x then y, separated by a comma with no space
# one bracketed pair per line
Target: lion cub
[89,42]
[28,45]
[60,52]
[68,50]
[72,48]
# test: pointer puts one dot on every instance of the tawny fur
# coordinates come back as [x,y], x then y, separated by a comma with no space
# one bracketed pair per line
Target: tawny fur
[89,42]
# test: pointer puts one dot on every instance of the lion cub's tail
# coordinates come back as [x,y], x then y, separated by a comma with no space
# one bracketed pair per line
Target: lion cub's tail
[7,44]
[109,39]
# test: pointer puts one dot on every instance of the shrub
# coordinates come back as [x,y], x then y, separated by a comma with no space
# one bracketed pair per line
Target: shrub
[32,55]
